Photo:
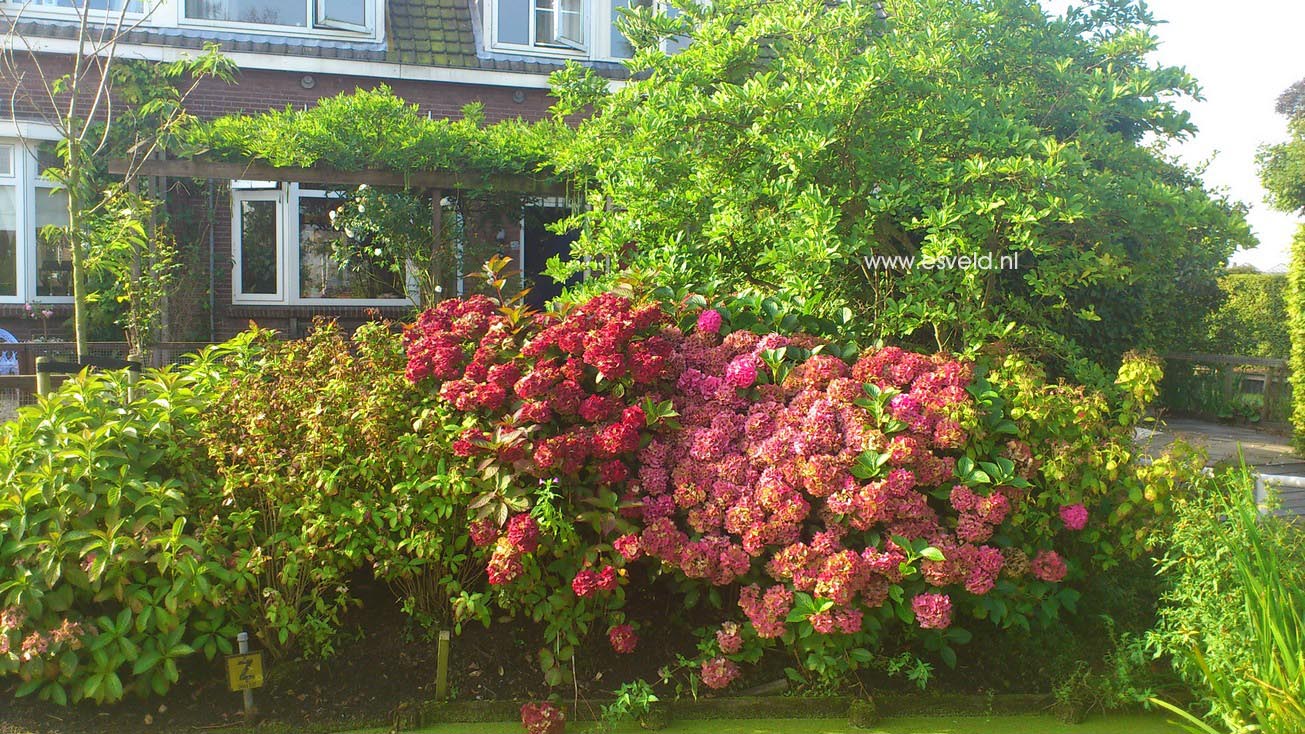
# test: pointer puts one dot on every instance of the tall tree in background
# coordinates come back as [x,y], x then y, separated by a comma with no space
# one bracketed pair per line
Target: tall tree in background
[786,142]
[103,106]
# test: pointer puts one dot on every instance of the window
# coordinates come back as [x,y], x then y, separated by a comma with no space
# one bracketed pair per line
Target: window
[8,242]
[569,28]
[545,24]
[113,6]
[53,252]
[34,264]
[286,251]
[346,15]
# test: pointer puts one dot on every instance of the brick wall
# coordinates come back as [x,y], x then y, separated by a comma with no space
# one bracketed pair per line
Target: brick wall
[257,91]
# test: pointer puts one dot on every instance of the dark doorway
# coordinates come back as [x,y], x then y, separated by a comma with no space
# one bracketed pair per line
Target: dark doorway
[541,244]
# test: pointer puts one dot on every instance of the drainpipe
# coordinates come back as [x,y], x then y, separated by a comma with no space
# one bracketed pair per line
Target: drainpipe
[212,263]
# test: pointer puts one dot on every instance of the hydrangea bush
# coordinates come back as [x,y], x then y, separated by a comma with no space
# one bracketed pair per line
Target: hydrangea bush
[835,493]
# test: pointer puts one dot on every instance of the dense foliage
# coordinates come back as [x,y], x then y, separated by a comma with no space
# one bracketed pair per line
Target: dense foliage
[788,141]
[1252,322]
[374,129]
[1295,298]
[103,584]
[1232,619]
[1282,165]
[831,493]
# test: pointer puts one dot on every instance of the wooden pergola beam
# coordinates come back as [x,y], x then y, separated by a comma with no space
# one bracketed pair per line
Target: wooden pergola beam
[423,180]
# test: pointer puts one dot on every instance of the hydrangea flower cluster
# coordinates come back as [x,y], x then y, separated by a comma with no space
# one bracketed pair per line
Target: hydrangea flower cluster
[763,481]
[543,717]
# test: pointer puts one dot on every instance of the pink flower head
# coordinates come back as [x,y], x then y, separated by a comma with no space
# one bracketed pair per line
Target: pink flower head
[709,321]
[504,564]
[729,638]
[623,639]
[1048,566]
[1075,517]
[932,611]
[718,673]
[627,546]
[523,533]
[742,371]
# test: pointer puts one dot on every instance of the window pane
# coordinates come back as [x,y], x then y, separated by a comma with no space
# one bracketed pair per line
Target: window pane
[133,6]
[6,160]
[350,12]
[570,22]
[53,254]
[258,247]
[322,248]
[514,21]
[271,12]
[8,243]
[543,22]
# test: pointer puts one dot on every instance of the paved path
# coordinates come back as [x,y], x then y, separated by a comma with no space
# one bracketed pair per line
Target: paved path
[1222,442]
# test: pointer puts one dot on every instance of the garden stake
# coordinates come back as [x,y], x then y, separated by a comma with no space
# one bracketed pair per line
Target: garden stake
[242,644]
[442,667]
[42,377]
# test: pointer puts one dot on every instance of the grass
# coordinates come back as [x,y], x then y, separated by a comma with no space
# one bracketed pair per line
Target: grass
[1129,724]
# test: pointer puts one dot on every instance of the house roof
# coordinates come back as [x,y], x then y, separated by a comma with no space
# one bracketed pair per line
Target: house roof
[429,33]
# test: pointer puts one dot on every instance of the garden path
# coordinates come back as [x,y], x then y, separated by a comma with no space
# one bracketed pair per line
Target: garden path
[1222,442]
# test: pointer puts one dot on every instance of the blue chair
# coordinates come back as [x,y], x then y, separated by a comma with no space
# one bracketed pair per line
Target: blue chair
[8,357]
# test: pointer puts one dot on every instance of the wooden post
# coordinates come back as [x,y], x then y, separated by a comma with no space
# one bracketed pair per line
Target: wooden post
[442,667]
[133,376]
[437,234]
[42,377]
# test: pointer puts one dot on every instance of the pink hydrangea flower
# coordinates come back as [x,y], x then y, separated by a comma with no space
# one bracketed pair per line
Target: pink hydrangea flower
[1048,566]
[709,321]
[718,673]
[932,611]
[1075,517]
[742,371]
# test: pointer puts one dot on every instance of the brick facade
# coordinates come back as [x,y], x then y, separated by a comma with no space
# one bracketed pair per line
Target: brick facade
[256,91]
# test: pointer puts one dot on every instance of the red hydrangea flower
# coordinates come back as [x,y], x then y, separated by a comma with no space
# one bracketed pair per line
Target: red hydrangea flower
[483,533]
[607,579]
[504,564]
[623,638]
[543,718]
[742,371]
[523,533]
[585,583]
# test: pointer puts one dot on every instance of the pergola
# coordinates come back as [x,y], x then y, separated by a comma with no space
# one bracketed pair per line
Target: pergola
[437,183]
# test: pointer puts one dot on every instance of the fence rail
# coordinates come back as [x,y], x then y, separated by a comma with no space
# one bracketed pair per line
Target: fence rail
[1227,387]
[19,390]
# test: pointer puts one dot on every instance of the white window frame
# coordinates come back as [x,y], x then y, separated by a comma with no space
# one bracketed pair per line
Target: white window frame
[55,12]
[27,183]
[287,197]
[596,46]
[238,197]
[316,25]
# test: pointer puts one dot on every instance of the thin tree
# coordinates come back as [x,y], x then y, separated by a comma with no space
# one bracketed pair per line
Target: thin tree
[83,108]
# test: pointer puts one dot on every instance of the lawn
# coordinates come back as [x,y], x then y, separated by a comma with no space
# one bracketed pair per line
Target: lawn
[1135,724]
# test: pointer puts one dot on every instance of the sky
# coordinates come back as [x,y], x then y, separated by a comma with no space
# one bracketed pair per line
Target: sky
[1244,54]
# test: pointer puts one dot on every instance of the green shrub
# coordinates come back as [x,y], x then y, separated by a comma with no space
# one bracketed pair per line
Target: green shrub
[1296,327]
[103,586]
[1252,320]
[324,473]
[1232,617]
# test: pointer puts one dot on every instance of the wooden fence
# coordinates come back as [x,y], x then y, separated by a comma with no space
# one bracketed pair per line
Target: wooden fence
[1227,387]
[18,390]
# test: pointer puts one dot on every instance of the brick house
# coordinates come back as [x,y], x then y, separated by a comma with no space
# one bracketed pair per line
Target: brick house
[438,54]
